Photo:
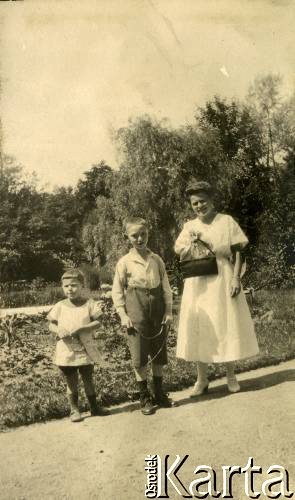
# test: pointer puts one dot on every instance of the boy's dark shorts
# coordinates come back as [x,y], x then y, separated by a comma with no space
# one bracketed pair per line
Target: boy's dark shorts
[146,310]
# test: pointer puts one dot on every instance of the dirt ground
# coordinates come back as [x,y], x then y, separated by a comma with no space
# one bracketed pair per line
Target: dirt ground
[103,457]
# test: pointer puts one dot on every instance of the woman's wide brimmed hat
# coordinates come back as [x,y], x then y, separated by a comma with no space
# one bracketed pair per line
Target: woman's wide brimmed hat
[197,186]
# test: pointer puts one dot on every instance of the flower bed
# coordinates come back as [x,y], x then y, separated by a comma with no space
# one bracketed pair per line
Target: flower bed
[33,390]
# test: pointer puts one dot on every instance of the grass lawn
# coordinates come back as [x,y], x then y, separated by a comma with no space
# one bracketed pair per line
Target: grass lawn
[33,390]
[31,297]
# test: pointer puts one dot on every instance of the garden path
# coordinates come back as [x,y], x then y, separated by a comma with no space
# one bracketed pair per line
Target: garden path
[103,457]
[24,310]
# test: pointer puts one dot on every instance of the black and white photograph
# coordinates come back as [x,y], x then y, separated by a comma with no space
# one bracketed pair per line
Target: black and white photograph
[147,270]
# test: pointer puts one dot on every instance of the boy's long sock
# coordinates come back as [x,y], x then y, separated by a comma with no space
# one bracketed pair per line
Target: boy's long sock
[161,398]
[142,385]
[146,404]
[158,383]
[143,389]
[75,413]
[73,400]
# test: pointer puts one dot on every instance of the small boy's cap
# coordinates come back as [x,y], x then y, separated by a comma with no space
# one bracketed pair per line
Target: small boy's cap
[73,274]
[197,186]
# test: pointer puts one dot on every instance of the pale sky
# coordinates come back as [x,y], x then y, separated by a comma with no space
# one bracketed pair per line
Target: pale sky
[74,71]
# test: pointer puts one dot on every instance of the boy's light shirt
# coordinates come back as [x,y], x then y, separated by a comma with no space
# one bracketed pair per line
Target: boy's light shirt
[133,270]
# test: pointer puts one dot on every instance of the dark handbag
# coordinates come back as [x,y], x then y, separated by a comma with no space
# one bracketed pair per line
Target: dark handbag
[205,266]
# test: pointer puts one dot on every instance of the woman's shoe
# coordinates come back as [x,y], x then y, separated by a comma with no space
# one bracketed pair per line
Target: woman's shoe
[76,416]
[199,389]
[233,384]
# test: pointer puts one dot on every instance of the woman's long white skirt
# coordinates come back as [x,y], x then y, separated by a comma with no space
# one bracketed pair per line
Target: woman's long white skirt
[213,326]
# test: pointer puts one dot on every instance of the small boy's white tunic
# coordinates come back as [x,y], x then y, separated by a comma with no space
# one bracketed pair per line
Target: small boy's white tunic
[213,326]
[75,351]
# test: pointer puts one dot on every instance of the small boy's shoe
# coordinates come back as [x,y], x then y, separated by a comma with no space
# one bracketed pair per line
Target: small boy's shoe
[146,404]
[100,411]
[95,409]
[233,384]
[75,415]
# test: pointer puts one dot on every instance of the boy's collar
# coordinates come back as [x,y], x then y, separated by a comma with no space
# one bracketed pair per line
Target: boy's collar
[136,255]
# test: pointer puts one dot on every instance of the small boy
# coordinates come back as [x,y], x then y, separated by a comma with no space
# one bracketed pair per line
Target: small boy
[143,299]
[74,320]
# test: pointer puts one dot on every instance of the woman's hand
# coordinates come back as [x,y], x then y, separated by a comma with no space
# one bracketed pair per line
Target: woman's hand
[167,320]
[236,280]
[195,236]
[235,286]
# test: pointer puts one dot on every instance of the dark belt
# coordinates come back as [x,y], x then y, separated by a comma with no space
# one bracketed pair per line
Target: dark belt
[148,291]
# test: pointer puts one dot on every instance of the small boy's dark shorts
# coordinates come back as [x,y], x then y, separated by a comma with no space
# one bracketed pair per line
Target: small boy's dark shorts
[146,308]
[69,371]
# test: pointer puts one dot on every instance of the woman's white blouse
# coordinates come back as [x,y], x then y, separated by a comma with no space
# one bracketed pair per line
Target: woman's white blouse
[223,233]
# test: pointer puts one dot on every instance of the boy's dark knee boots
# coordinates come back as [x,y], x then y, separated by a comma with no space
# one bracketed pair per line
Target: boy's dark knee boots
[95,409]
[75,415]
[160,397]
[146,403]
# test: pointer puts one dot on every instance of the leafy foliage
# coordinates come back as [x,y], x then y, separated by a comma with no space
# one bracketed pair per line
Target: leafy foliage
[38,231]
[245,149]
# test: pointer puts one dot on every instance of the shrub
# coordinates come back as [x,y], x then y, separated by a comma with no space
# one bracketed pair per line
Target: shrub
[106,274]
[92,278]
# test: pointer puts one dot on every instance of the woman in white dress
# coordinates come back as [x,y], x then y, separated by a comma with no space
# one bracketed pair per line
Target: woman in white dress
[215,325]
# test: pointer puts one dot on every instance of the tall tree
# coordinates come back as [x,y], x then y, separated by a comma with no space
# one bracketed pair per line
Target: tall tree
[265,96]
[151,154]
[97,182]
[244,175]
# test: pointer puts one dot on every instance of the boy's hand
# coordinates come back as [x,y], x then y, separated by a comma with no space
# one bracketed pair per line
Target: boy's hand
[62,332]
[126,322]
[127,325]
[235,287]
[76,333]
[167,320]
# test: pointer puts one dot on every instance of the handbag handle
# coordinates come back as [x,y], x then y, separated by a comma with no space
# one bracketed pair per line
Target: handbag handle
[207,246]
